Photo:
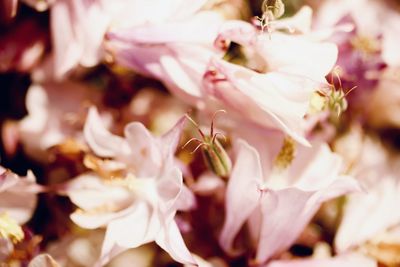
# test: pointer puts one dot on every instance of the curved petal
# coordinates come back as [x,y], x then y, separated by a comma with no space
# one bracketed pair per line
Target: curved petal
[273,100]
[170,239]
[169,141]
[90,192]
[100,140]
[281,53]
[242,193]
[286,212]
[145,155]
[204,24]
[127,232]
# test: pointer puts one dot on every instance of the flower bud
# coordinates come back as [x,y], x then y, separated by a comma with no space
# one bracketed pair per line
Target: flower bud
[214,154]
[216,158]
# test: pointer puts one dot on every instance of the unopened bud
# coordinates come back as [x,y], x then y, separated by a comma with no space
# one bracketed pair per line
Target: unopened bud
[216,158]
[214,154]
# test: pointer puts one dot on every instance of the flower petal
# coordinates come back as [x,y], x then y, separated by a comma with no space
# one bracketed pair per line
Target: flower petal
[286,212]
[170,239]
[100,140]
[242,195]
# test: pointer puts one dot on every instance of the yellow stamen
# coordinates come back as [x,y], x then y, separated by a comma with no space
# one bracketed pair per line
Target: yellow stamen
[286,154]
[10,229]
[366,44]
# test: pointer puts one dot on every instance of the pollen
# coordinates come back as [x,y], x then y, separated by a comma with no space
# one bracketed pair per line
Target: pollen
[9,229]
[317,103]
[366,44]
[130,182]
[286,154]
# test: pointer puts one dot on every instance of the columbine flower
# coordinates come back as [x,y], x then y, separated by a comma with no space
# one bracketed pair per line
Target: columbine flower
[279,201]
[135,192]
[284,71]
[272,100]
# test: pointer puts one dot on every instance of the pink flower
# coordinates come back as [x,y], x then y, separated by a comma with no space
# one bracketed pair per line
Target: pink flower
[283,71]
[279,201]
[272,100]
[56,111]
[18,196]
[136,193]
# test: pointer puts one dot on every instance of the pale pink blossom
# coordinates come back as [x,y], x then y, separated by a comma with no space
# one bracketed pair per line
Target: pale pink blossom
[283,71]
[301,51]
[137,201]
[278,202]
[18,195]
[273,100]
[56,111]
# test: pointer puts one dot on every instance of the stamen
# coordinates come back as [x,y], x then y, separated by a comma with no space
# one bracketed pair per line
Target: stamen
[9,229]
[286,154]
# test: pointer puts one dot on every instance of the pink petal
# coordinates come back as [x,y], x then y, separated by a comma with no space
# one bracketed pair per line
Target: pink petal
[100,140]
[169,141]
[280,53]
[242,195]
[205,25]
[260,97]
[286,212]
[170,239]
[169,187]
[145,155]
[127,232]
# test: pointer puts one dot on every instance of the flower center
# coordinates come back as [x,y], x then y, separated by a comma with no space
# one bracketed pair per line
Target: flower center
[367,45]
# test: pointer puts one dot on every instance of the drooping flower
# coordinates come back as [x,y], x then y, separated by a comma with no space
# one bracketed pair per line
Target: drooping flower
[279,201]
[135,192]
[281,74]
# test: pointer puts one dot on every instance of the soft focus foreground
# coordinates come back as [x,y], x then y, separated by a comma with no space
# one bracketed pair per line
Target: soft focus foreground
[208,133]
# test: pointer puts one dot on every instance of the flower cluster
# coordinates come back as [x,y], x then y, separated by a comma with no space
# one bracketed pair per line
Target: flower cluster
[205,133]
